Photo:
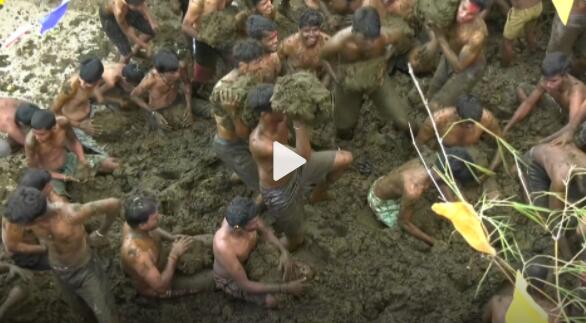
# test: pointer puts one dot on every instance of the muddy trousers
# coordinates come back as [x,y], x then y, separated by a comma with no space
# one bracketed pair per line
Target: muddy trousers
[348,103]
[446,85]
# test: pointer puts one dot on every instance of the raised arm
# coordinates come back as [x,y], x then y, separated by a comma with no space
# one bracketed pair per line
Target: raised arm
[109,207]
[335,44]
[192,17]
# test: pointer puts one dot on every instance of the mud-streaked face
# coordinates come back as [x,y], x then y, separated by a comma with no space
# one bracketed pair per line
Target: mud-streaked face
[42,135]
[467,11]
[88,86]
[152,223]
[553,83]
[252,225]
[265,8]
[270,41]
[310,35]
[171,76]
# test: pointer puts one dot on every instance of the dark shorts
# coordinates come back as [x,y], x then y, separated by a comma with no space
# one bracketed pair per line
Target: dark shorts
[237,156]
[114,32]
[36,262]
[231,288]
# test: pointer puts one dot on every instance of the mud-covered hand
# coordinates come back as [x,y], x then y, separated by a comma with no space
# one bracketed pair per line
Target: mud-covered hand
[97,239]
[296,287]
[561,137]
[229,98]
[286,265]
[188,117]
[23,274]
[90,128]
[180,247]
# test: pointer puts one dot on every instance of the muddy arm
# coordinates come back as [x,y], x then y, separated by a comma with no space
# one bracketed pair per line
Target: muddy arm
[336,43]
[405,216]
[525,108]
[557,190]
[72,142]
[13,241]
[147,270]
[192,17]
[109,207]
[165,235]
[126,29]
[269,236]
[468,55]
[302,143]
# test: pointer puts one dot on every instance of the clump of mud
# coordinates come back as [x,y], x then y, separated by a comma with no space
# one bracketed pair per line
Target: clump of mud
[302,96]
[399,24]
[439,13]
[217,29]
[364,75]
[195,259]
[239,89]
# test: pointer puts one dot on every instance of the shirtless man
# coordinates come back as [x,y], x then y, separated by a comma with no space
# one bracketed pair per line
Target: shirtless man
[463,61]
[301,51]
[122,20]
[522,17]
[52,145]
[392,197]
[141,253]
[162,85]
[60,226]
[264,30]
[285,198]
[570,39]
[567,91]
[124,77]
[15,120]
[362,51]
[234,242]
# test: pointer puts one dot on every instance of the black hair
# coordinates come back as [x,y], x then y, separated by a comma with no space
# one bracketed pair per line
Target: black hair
[135,2]
[246,51]
[458,157]
[138,208]
[257,26]
[255,2]
[43,119]
[366,21]
[469,107]
[25,205]
[555,63]
[311,18]
[24,113]
[133,73]
[240,211]
[35,178]
[259,98]
[166,61]
[91,70]
[482,4]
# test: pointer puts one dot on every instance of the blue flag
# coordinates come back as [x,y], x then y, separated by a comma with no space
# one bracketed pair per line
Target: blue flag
[53,18]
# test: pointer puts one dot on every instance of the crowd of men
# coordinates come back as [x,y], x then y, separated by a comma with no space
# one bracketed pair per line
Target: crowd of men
[42,229]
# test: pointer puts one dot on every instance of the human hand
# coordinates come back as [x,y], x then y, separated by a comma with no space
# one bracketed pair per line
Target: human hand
[286,265]
[90,128]
[24,274]
[180,247]
[295,287]
[229,98]
[561,137]
[67,178]
[97,239]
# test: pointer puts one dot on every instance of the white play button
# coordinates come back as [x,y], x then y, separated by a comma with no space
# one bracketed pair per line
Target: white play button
[285,161]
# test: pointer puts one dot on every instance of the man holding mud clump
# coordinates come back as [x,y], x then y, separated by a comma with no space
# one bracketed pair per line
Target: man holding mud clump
[141,253]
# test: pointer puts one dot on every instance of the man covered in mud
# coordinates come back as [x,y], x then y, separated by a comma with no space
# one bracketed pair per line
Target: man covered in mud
[15,121]
[570,38]
[264,30]
[60,226]
[52,145]
[122,20]
[522,17]
[568,91]
[392,197]
[285,198]
[361,52]
[234,242]
[118,82]
[141,253]
[463,61]
[162,86]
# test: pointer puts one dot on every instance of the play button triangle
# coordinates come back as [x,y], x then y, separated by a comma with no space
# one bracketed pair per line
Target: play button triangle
[285,161]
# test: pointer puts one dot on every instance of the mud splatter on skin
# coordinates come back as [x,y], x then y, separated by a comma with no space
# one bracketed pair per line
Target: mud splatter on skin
[364,271]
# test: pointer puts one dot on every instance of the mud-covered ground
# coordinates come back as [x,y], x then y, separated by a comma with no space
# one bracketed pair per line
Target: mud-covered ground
[364,271]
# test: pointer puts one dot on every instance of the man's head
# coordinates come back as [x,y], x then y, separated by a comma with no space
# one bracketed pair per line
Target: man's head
[132,74]
[247,54]
[264,7]
[90,72]
[167,64]
[242,214]
[141,212]
[310,27]
[39,179]
[458,158]
[470,9]
[366,25]
[554,67]
[263,30]
[134,4]
[469,107]
[24,114]
[259,100]
[43,122]
[25,205]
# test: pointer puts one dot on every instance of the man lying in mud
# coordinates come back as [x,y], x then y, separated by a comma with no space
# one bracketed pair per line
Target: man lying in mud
[570,38]
[234,242]
[17,294]
[122,20]
[285,198]
[362,51]
[52,145]
[15,122]
[463,61]
[162,86]
[60,227]
[568,91]
[264,30]
[393,197]
[141,253]
[118,82]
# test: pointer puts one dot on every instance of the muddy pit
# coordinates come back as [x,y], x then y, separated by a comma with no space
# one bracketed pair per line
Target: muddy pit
[364,271]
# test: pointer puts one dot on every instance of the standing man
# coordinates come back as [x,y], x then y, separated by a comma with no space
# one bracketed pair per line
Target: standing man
[522,17]
[15,121]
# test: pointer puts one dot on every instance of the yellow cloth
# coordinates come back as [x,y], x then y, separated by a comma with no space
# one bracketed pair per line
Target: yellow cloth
[517,19]
[467,222]
[523,308]
[563,7]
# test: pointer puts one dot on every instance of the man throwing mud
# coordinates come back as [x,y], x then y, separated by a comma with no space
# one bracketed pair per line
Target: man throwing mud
[567,91]
[284,198]
[234,242]
[52,145]
[141,250]
[60,226]
[463,60]
[15,121]
[121,19]
[362,51]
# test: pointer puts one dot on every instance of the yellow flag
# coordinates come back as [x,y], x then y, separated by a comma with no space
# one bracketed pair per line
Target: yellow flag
[524,309]
[563,7]
[467,222]
[1,3]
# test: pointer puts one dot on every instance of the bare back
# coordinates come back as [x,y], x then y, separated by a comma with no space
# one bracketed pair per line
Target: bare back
[409,180]
[232,249]
[137,252]
[558,160]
